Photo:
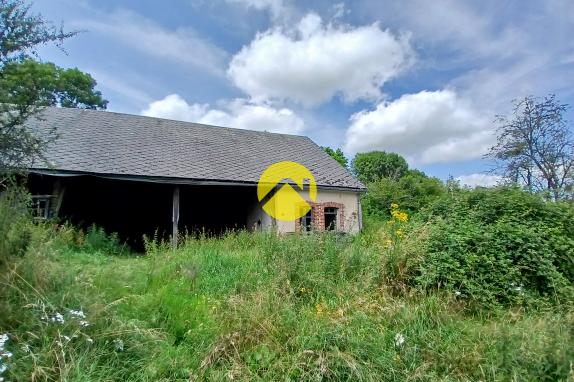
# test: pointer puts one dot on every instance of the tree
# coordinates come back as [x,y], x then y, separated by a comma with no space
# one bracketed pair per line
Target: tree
[45,84]
[21,33]
[411,192]
[535,147]
[375,165]
[338,156]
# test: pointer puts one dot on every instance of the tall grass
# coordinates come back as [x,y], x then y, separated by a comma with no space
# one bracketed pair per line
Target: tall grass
[256,306]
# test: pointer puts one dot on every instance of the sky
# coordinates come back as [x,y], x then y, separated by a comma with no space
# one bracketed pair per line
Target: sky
[421,78]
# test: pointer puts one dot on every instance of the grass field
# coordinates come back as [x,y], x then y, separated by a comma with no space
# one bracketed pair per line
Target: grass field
[257,307]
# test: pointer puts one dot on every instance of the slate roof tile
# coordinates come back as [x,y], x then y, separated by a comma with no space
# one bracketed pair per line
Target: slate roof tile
[103,142]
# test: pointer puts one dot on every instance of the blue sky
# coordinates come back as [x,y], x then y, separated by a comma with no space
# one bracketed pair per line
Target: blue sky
[421,78]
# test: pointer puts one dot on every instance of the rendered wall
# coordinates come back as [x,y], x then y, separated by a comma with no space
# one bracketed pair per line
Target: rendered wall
[348,217]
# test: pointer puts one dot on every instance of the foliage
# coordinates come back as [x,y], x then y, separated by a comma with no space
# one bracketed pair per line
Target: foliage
[14,223]
[338,155]
[22,34]
[376,165]
[413,191]
[257,307]
[500,246]
[45,84]
[535,147]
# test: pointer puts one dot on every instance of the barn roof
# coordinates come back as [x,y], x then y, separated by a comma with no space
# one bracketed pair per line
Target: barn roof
[131,146]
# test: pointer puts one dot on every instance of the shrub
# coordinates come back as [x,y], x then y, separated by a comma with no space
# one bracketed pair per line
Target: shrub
[96,239]
[500,246]
[14,223]
[412,192]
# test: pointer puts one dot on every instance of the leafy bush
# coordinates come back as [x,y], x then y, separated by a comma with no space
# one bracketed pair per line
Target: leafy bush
[96,239]
[412,192]
[14,223]
[500,246]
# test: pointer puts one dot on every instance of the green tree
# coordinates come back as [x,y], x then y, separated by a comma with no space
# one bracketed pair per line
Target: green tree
[21,34]
[338,156]
[46,84]
[411,192]
[376,165]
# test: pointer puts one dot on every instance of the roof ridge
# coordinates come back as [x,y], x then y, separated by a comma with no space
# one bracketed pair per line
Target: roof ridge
[72,109]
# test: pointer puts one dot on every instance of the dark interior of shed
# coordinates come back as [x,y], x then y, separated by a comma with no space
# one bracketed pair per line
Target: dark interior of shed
[133,208]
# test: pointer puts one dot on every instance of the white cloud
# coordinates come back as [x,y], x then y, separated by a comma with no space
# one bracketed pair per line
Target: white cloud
[479,180]
[237,113]
[426,127]
[315,62]
[275,7]
[181,45]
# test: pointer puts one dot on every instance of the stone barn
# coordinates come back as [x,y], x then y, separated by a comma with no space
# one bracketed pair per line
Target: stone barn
[138,175]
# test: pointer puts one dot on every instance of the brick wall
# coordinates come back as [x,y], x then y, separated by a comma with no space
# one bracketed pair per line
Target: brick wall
[318,216]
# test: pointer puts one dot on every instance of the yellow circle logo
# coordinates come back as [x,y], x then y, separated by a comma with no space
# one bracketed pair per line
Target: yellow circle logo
[286,204]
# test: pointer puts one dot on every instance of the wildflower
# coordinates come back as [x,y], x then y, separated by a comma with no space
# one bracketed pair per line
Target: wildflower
[399,340]
[84,323]
[394,206]
[388,243]
[77,313]
[119,344]
[400,216]
[399,233]
[3,339]
[457,293]
[89,340]
[58,318]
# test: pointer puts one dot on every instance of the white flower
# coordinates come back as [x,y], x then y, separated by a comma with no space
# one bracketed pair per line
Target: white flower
[399,340]
[89,340]
[77,313]
[3,339]
[6,354]
[84,323]
[58,318]
[3,368]
[457,293]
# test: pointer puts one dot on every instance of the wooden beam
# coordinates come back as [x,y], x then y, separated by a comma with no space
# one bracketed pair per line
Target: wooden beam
[175,216]
[58,194]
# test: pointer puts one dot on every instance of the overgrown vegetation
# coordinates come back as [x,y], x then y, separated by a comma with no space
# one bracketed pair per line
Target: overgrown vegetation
[414,297]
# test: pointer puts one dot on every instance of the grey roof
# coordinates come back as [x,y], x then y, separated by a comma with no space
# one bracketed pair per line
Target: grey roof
[107,143]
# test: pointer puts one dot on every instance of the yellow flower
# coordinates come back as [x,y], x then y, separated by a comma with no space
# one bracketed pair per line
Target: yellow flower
[394,206]
[403,217]
[319,310]
[400,233]
[388,243]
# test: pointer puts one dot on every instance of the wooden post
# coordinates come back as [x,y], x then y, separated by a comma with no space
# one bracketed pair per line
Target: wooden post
[175,216]
[58,196]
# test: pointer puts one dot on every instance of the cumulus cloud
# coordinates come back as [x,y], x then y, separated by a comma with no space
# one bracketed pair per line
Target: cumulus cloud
[316,61]
[182,45]
[237,113]
[426,127]
[479,180]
